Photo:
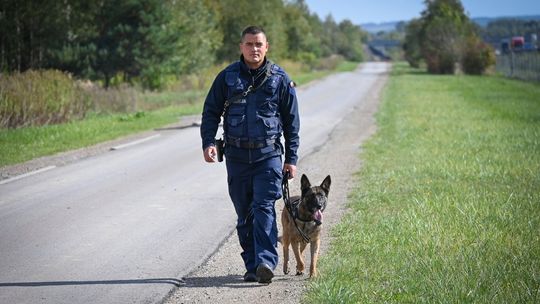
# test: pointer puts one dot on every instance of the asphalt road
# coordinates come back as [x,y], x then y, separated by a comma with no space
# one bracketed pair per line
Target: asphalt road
[124,226]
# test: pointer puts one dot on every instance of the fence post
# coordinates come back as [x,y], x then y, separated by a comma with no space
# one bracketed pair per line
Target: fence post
[512,61]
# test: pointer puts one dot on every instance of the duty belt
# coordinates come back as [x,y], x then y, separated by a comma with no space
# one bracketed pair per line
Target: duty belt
[249,144]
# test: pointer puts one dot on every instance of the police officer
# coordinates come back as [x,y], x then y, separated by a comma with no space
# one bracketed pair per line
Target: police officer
[258,103]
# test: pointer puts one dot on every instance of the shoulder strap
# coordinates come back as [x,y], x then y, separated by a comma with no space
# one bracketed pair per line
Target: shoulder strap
[250,89]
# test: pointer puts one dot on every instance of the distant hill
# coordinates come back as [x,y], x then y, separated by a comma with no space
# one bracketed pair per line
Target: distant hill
[379,27]
[482,21]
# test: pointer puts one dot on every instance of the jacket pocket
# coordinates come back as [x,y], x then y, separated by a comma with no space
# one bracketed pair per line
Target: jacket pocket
[271,125]
[235,121]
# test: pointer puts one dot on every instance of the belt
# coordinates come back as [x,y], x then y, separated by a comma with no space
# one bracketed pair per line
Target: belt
[249,144]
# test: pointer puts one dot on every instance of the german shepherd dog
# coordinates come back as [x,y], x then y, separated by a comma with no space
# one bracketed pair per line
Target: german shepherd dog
[307,213]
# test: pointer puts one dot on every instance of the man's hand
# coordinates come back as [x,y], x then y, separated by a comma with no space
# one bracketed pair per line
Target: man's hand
[291,169]
[210,154]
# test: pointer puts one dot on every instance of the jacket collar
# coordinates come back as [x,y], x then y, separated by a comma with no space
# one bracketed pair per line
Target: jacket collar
[245,68]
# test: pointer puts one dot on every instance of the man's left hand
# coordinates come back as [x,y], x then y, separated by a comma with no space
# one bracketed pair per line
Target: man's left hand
[291,169]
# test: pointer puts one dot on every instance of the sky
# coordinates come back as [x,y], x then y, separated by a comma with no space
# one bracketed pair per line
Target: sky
[377,11]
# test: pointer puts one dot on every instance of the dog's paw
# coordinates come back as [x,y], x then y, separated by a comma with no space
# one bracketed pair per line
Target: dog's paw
[299,273]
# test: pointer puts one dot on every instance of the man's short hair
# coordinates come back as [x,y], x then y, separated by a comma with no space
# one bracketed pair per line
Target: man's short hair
[253,30]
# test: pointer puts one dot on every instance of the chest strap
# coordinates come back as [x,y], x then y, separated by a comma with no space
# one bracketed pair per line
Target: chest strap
[250,89]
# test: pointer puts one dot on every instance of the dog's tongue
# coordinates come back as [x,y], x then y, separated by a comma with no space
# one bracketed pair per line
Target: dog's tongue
[318,216]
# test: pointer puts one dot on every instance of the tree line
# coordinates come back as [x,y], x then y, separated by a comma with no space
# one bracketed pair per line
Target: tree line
[144,41]
[498,30]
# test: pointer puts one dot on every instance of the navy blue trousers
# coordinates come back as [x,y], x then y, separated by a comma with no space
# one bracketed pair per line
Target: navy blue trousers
[254,189]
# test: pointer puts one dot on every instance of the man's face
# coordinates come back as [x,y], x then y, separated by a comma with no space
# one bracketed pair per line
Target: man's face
[254,48]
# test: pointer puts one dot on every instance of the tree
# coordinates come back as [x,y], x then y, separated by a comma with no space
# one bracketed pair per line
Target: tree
[412,44]
[76,51]
[329,34]
[28,30]
[443,37]
[199,36]
[444,28]
[302,43]
[238,14]
[134,38]
[140,41]
[349,41]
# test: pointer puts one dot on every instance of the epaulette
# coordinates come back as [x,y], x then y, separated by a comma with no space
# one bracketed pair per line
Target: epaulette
[233,67]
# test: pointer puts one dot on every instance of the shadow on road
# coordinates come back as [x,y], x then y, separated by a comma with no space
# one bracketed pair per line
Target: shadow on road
[230,281]
[170,281]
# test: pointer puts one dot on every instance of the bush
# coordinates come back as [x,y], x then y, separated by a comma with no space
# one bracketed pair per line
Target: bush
[40,98]
[330,63]
[119,99]
[440,63]
[477,56]
[308,58]
[201,80]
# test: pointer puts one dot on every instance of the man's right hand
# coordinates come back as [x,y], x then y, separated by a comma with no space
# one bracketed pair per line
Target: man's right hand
[210,154]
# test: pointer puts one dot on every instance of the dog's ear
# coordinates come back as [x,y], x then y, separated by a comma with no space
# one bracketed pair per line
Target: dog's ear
[305,185]
[325,185]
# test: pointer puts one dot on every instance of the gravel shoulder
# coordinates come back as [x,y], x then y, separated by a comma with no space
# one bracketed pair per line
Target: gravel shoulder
[219,280]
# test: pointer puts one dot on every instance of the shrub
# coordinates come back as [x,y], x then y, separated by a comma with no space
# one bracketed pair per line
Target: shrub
[119,99]
[308,58]
[330,63]
[477,56]
[440,63]
[39,98]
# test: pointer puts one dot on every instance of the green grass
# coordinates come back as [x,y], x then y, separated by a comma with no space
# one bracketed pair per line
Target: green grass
[19,145]
[447,208]
[347,66]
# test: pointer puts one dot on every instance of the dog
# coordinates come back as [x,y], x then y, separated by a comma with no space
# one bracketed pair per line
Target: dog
[306,211]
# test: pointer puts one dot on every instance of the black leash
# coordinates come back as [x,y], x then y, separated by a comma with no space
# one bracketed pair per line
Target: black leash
[288,205]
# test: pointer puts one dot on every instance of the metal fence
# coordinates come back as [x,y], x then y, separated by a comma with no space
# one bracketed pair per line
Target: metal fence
[522,65]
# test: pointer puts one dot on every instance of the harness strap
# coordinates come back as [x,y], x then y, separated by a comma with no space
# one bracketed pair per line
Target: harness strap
[289,205]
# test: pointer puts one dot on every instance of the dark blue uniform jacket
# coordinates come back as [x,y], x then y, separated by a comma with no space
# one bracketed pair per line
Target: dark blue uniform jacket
[262,116]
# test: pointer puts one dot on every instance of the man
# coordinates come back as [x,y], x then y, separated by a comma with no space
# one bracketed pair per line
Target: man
[259,106]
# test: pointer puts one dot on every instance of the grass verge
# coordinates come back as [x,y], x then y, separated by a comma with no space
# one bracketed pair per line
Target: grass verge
[19,145]
[447,209]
